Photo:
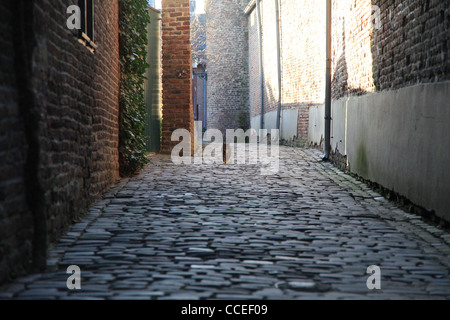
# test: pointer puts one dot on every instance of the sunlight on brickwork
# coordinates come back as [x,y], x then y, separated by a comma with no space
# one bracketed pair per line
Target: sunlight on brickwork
[352,53]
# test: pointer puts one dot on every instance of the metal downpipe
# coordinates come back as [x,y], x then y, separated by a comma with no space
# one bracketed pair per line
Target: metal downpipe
[327,146]
[205,115]
[277,26]
[261,64]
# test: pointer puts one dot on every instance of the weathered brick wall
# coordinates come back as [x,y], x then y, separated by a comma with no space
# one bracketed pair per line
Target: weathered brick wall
[15,218]
[302,31]
[67,126]
[351,40]
[403,59]
[253,65]
[415,38]
[269,50]
[106,84]
[178,112]
[303,51]
[406,44]
[77,96]
[410,47]
[302,36]
[227,54]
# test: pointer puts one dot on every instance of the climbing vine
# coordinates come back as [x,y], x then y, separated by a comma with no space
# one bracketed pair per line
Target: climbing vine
[133,21]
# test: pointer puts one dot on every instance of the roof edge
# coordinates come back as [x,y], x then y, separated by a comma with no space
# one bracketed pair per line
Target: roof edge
[153,9]
[249,8]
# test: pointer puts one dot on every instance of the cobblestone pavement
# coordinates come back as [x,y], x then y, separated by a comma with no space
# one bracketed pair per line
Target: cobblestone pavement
[227,232]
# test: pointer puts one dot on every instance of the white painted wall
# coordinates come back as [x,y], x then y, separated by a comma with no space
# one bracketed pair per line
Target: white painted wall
[288,122]
[316,127]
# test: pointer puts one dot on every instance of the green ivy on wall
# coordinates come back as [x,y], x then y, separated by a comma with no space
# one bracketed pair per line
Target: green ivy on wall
[133,21]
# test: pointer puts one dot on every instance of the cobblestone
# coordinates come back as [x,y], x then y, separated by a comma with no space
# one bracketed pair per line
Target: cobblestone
[227,232]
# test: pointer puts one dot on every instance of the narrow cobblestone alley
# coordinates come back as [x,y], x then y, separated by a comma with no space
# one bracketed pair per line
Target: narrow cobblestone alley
[227,232]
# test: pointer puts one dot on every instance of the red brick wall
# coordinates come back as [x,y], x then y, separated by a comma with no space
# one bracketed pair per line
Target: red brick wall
[178,112]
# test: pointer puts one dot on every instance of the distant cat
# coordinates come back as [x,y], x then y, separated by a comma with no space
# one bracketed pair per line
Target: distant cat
[226,150]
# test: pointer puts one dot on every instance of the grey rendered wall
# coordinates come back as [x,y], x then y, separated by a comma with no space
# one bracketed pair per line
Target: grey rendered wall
[288,124]
[399,139]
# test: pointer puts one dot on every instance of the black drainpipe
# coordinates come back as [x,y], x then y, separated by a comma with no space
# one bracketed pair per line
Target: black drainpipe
[277,26]
[327,146]
[261,63]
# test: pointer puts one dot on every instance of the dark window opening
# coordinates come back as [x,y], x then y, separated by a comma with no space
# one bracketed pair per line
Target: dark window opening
[86,35]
